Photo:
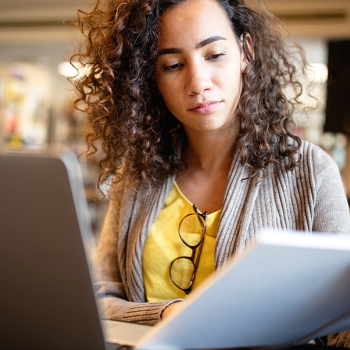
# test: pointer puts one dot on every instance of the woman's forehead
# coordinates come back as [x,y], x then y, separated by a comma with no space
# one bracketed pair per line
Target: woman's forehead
[193,20]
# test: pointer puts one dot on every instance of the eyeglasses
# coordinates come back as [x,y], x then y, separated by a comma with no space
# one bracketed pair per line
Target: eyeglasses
[191,230]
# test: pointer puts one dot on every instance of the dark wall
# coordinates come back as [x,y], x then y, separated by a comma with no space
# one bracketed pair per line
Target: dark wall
[338,102]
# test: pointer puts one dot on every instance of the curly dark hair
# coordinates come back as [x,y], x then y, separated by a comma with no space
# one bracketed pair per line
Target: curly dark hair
[129,120]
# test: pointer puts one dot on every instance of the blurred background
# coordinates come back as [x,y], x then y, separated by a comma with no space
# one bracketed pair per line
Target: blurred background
[36,100]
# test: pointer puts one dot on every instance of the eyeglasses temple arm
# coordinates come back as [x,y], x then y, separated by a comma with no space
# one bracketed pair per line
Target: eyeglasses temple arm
[205,214]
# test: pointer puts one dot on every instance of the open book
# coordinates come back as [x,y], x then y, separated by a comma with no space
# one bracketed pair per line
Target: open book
[286,289]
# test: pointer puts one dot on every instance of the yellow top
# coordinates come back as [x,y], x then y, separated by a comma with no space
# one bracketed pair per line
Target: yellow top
[163,245]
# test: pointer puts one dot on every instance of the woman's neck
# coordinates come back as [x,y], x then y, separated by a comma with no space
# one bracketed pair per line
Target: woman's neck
[209,151]
[208,156]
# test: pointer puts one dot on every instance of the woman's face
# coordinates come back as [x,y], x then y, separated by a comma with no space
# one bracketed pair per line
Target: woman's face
[200,65]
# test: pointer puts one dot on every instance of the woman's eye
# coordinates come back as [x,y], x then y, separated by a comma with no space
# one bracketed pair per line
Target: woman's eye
[216,56]
[173,66]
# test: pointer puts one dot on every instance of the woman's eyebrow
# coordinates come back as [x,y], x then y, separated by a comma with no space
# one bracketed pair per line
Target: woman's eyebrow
[209,41]
[198,46]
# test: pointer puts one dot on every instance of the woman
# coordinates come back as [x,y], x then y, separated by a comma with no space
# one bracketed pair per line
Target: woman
[186,99]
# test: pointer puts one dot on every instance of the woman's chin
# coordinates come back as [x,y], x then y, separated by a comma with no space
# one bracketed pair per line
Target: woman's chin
[209,126]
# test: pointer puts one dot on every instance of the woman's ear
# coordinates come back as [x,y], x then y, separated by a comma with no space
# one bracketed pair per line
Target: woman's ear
[246,49]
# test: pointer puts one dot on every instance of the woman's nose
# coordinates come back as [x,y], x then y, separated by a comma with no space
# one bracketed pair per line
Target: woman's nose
[198,79]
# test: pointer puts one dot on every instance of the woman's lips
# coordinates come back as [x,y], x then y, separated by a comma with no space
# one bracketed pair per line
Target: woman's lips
[206,107]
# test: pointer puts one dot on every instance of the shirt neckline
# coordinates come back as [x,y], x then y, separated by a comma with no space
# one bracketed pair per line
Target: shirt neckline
[191,204]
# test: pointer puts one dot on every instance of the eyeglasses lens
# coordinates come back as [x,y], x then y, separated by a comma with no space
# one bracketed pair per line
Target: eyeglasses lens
[191,230]
[182,271]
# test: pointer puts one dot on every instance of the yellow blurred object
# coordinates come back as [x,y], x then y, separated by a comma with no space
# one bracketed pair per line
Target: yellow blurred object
[15,143]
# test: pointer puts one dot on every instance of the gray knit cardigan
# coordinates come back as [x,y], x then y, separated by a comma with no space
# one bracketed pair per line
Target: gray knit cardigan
[309,199]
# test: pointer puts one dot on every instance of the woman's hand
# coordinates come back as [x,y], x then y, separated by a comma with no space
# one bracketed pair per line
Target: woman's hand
[169,309]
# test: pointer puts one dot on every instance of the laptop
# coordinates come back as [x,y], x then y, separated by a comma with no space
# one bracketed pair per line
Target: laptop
[285,289]
[47,246]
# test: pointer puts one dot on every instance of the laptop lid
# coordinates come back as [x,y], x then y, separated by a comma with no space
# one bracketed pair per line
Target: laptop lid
[47,300]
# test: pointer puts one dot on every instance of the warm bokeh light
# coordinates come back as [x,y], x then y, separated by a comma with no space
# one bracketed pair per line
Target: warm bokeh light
[67,70]
[318,72]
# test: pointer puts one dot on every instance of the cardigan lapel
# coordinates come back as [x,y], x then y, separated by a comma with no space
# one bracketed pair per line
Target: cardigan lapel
[236,212]
[147,206]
